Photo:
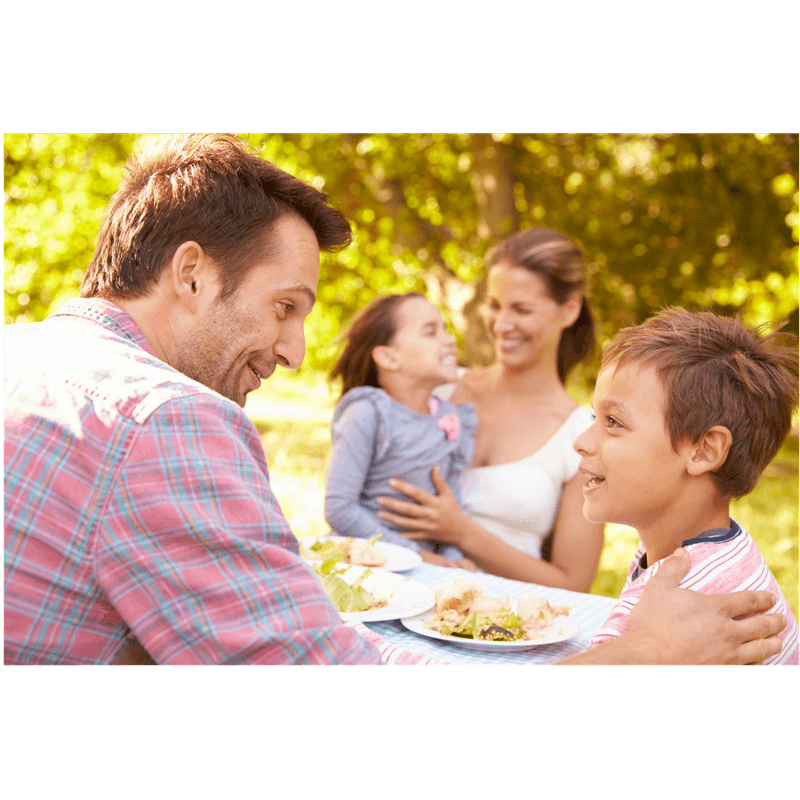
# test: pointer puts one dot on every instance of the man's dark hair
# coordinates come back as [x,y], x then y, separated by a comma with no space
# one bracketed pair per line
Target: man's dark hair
[209,189]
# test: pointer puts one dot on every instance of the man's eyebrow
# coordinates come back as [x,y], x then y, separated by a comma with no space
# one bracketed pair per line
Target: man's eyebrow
[301,287]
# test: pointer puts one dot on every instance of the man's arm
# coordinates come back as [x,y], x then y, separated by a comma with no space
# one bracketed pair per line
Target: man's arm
[194,552]
[670,625]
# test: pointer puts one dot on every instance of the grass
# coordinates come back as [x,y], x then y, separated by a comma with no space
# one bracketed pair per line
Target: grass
[292,414]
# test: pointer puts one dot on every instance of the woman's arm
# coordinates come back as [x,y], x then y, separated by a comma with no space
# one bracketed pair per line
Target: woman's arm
[439,517]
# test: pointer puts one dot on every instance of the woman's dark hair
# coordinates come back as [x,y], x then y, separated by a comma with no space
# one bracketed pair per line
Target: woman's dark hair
[373,326]
[208,189]
[561,264]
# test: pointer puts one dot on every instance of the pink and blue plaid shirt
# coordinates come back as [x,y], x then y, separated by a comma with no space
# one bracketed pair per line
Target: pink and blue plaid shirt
[138,506]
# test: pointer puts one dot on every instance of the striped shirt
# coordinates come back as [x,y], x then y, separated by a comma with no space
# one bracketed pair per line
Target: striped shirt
[138,508]
[723,560]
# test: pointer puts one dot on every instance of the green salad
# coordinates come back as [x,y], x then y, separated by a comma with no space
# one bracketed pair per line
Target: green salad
[501,625]
[345,596]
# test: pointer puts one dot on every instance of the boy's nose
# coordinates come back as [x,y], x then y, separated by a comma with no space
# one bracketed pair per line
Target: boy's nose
[581,444]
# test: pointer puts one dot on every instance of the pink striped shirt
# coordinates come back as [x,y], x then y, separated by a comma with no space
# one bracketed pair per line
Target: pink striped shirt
[723,560]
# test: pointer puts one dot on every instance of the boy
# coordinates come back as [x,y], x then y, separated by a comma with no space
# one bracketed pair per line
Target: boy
[690,408]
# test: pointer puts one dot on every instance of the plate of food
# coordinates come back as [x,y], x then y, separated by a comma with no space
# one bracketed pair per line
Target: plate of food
[364,595]
[363,552]
[466,617]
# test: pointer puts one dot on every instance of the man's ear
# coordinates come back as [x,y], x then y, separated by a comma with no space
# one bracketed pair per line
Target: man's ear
[710,450]
[192,275]
[386,358]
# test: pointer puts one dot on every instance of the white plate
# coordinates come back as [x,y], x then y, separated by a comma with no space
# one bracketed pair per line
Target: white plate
[400,558]
[563,628]
[406,597]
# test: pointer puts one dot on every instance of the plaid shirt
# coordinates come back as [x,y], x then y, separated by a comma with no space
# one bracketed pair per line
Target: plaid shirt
[138,507]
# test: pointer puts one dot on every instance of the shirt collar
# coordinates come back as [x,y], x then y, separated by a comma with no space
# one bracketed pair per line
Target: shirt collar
[711,536]
[108,315]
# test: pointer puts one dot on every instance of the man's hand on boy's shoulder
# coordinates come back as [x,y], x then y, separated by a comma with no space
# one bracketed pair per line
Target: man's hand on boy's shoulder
[679,626]
[670,625]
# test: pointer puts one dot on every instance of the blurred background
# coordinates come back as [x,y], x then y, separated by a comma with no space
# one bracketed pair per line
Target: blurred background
[697,220]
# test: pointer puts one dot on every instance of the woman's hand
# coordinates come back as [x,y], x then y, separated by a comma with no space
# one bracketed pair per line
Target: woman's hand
[432,516]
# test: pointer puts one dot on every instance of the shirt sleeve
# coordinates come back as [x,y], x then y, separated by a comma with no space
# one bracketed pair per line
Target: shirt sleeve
[195,554]
[354,432]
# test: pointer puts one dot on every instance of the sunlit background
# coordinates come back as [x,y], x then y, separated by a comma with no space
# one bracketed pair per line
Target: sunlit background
[688,219]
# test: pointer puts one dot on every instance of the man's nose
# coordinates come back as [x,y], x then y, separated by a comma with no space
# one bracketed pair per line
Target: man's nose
[290,349]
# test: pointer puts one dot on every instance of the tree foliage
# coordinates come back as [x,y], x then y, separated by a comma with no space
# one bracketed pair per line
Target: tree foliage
[687,219]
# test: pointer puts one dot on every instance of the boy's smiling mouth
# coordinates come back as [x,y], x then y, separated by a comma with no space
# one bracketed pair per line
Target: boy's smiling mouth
[593,480]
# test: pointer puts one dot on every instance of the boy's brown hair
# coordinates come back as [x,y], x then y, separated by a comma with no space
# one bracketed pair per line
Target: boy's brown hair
[716,371]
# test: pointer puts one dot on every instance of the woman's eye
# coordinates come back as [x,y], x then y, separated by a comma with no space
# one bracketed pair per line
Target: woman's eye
[612,423]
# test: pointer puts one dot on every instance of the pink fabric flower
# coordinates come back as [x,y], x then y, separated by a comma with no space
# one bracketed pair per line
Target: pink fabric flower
[451,425]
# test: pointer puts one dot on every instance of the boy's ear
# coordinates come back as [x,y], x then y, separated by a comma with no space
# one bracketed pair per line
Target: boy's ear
[386,357]
[710,450]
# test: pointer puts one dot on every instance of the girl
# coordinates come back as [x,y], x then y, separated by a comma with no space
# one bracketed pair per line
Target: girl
[387,422]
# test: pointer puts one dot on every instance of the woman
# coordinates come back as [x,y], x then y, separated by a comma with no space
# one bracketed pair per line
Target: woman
[523,487]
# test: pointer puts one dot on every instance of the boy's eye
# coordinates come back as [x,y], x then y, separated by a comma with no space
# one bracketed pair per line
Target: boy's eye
[610,421]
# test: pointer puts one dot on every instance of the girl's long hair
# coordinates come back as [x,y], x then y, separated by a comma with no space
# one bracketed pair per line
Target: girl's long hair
[373,326]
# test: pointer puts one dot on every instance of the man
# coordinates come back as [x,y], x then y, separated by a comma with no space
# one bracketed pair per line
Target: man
[138,504]
[139,520]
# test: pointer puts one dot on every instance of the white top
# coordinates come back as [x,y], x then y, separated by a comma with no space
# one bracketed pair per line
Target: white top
[518,501]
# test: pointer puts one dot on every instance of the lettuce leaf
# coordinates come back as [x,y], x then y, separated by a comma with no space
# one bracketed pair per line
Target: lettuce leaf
[501,625]
[327,551]
[345,596]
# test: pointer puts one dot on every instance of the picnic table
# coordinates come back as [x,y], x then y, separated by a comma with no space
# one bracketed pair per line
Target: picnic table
[588,610]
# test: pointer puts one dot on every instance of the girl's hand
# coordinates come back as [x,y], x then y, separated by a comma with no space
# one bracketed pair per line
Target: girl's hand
[432,516]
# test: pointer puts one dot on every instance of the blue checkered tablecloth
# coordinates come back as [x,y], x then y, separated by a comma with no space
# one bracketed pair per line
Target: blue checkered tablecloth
[589,610]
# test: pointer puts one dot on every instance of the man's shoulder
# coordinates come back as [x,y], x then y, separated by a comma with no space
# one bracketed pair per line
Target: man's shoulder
[68,361]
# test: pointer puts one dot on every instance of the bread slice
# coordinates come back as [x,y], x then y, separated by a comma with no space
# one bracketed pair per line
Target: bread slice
[456,596]
[362,552]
